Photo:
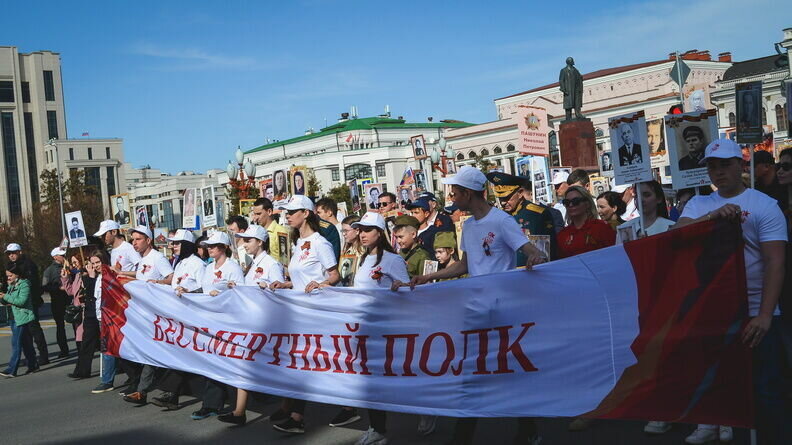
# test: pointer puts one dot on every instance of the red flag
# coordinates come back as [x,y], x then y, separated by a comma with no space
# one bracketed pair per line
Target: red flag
[85,133]
[115,300]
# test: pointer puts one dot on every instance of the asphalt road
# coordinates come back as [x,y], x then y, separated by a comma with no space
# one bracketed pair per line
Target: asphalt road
[49,407]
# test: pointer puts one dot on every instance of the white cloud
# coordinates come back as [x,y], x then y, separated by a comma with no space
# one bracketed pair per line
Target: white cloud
[190,59]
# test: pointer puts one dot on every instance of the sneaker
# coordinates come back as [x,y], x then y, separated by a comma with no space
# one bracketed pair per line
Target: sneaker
[291,426]
[345,417]
[427,425]
[655,427]
[232,418]
[580,424]
[725,434]
[701,436]
[167,400]
[7,375]
[203,413]
[279,416]
[372,437]
[103,387]
[137,398]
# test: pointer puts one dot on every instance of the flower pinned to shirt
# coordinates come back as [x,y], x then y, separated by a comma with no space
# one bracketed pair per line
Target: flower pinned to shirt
[259,272]
[306,246]
[438,223]
[146,268]
[376,274]
[218,276]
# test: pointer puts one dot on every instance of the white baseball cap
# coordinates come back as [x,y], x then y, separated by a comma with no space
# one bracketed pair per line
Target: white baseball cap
[370,219]
[142,229]
[621,188]
[560,177]
[13,247]
[254,231]
[469,178]
[298,202]
[721,149]
[183,235]
[57,251]
[107,226]
[217,238]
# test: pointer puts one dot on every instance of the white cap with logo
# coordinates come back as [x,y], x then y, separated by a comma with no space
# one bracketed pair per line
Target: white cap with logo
[560,177]
[57,251]
[183,235]
[370,219]
[107,226]
[13,247]
[298,202]
[721,149]
[143,230]
[217,238]
[254,231]
[469,178]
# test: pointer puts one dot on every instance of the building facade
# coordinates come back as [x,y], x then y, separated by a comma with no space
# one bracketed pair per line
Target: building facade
[32,112]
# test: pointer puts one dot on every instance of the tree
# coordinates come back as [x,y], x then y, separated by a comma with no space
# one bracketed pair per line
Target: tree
[340,193]
[314,186]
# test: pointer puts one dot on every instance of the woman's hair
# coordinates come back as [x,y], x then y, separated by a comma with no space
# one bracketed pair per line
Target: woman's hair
[101,254]
[201,249]
[614,200]
[16,269]
[313,223]
[657,189]
[188,249]
[382,246]
[589,201]
[785,152]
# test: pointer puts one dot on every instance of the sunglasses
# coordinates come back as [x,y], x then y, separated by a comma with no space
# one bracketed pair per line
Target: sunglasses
[292,212]
[216,246]
[785,166]
[572,202]
[379,205]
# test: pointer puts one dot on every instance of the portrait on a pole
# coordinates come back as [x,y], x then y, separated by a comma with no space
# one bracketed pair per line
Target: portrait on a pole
[141,216]
[189,210]
[419,147]
[688,136]
[372,193]
[120,207]
[208,205]
[606,163]
[280,186]
[749,112]
[629,144]
[75,229]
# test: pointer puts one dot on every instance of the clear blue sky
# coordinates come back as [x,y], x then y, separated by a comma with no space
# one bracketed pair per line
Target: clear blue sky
[184,83]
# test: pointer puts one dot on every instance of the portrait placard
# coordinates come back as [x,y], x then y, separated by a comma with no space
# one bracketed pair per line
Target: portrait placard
[208,207]
[655,133]
[284,247]
[688,136]
[541,184]
[142,216]
[265,189]
[245,207]
[189,210]
[605,159]
[419,147]
[298,179]
[532,129]
[75,229]
[372,193]
[120,207]
[347,269]
[354,194]
[406,194]
[280,185]
[430,266]
[632,163]
[749,112]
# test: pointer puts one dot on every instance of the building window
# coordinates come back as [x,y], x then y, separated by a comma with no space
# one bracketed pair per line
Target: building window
[49,86]
[90,153]
[107,152]
[26,92]
[10,158]
[52,124]
[485,152]
[460,157]
[6,91]
[357,171]
[732,120]
[380,170]
[30,146]
[71,153]
[111,185]
[334,174]
[510,147]
[92,179]
[472,155]
[497,150]
[764,116]
[781,117]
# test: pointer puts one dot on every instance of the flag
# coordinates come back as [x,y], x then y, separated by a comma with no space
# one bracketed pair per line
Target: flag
[85,133]
[349,138]
[647,330]
[408,177]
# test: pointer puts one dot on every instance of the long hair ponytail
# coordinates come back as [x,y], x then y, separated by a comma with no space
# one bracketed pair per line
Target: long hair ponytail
[382,246]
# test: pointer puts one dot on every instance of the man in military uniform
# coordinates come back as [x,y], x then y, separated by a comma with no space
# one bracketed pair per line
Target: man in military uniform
[406,230]
[533,218]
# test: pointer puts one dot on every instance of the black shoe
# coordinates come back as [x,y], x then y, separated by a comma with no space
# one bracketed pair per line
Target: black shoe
[168,401]
[203,413]
[44,362]
[291,426]
[31,371]
[345,417]
[63,354]
[279,416]
[136,398]
[74,375]
[233,419]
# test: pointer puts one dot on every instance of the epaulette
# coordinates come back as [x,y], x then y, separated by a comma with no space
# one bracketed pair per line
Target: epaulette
[535,208]
[323,224]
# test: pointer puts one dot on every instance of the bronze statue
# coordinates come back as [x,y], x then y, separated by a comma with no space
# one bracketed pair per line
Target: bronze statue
[571,83]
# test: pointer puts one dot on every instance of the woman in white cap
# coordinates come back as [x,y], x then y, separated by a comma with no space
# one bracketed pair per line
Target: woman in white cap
[379,267]
[222,271]
[313,265]
[189,268]
[263,271]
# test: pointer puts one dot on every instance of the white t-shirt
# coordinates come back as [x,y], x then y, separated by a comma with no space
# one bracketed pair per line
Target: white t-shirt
[560,207]
[491,242]
[659,226]
[632,211]
[153,266]
[188,273]
[311,258]
[762,221]
[215,278]
[124,257]
[242,258]
[264,269]
[391,267]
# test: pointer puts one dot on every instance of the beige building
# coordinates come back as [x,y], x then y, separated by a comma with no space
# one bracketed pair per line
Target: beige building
[31,112]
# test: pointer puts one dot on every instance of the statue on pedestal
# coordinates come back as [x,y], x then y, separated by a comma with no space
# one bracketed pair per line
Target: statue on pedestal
[571,83]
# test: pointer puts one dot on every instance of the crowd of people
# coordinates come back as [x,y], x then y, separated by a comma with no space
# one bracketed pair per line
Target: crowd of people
[389,246]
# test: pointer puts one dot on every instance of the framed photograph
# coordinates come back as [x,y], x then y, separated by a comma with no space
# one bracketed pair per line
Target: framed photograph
[749,112]
[655,134]
[626,234]
[633,163]
[419,147]
[342,211]
[299,179]
[540,181]
[522,166]
[354,194]
[265,189]
[220,212]
[284,247]
[347,268]
[688,136]
[599,185]
[208,207]
[606,163]
[120,206]
[406,194]
[372,193]
[430,267]
[160,237]
[76,229]
[141,216]
[420,181]
[280,185]
[697,97]
[541,242]
[245,207]
[189,212]
[450,167]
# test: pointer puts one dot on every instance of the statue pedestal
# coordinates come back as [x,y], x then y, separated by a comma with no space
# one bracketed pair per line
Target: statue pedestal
[578,145]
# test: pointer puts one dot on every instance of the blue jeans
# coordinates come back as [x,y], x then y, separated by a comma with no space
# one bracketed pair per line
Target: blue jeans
[108,369]
[21,341]
[772,414]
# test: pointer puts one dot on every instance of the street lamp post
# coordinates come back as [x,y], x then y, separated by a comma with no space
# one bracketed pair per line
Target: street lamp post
[52,143]
[439,158]
[241,177]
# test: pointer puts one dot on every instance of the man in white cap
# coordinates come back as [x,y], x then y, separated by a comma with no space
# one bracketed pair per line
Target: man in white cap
[153,266]
[31,272]
[490,240]
[51,283]
[765,234]
[560,186]
[123,257]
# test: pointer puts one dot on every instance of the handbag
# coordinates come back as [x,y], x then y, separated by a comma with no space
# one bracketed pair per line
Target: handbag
[73,314]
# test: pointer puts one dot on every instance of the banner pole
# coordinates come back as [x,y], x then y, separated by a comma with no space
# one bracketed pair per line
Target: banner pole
[637,197]
[753,175]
